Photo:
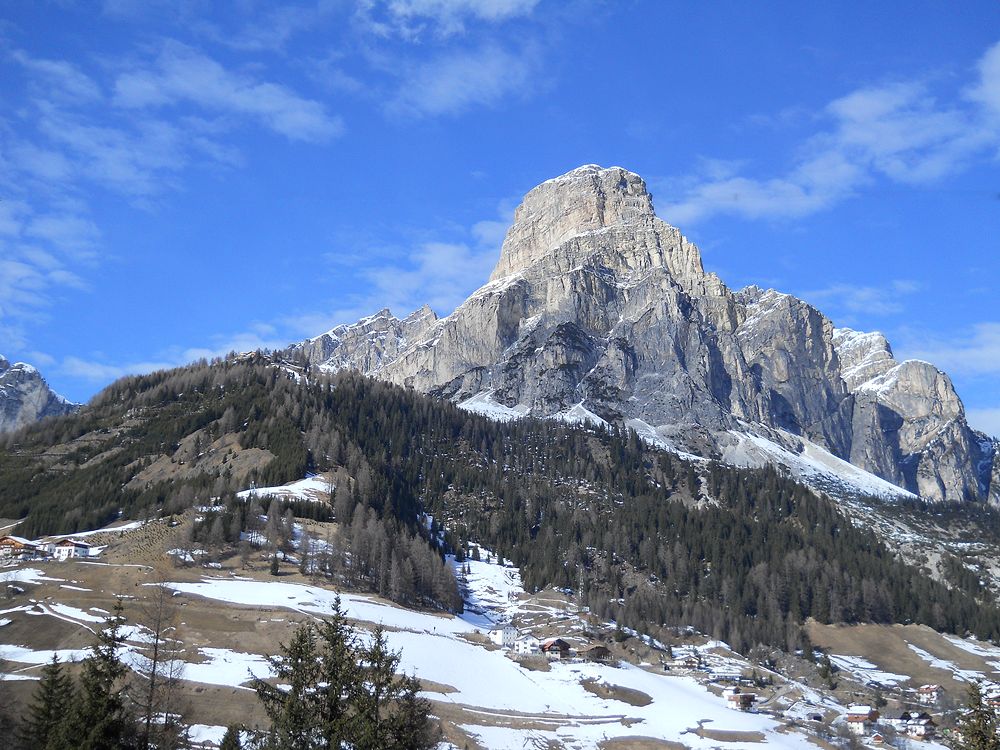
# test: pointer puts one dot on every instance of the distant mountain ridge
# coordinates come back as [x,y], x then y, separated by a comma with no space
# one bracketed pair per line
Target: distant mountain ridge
[599,310]
[25,397]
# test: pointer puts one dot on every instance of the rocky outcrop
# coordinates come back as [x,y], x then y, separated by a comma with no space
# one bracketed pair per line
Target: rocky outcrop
[597,309]
[25,397]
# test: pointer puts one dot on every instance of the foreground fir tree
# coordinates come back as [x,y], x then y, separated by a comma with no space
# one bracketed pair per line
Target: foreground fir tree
[231,739]
[44,726]
[293,708]
[336,693]
[100,718]
[978,724]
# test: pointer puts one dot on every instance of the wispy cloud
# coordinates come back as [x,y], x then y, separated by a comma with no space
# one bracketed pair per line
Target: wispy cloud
[896,131]
[76,129]
[411,19]
[849,299]
[976,353]
[457,81]
[97,369]
[439,273]
[182,74]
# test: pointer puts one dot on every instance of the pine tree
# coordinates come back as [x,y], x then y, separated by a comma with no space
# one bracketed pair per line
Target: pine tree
[978,724]
[45,723]
[231,739]
[338,674]
[391,716]
[100,719]
[293,711]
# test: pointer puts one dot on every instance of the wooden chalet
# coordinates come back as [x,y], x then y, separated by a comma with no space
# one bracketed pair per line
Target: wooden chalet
[860,719]
[739,700]
[17,548]
[597,653]
[555,648]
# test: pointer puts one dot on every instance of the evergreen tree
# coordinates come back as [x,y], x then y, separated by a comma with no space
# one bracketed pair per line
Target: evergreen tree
[100,718]
[391,716]
[44,726]
[338,675]
[294,711]
[231,739]
[978,723]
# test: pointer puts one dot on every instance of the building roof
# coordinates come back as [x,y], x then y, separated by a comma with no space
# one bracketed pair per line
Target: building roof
[73,542]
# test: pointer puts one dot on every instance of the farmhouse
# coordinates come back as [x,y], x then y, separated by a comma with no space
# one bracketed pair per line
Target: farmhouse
[861,718]
[917,725]
[15,547]
[737,699]
[526,646]
[504,636]
[68,548]
[929,694]
[597,653]
[555,648]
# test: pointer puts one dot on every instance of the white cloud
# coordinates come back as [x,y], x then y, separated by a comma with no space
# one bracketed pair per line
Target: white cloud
[98,370]
[182,74]
[411,19]
[986,90]
[60,79]
[870,300]
[976,353]
[65,136]
[454,82]
[436,273]
[896,131]
[986,420]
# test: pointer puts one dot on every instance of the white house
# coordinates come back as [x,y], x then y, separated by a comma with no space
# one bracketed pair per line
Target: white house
[928,694]
[861,718]
[527,646]
[504,636]
[69,548]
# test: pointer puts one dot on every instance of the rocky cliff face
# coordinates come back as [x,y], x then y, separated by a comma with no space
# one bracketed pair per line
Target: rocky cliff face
[599,310]
[25,397]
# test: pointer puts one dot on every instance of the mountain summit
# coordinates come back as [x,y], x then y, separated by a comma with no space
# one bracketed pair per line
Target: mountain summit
[600,311]
[25,397]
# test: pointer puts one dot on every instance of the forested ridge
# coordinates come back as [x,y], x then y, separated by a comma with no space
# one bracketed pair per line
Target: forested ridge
[641,535]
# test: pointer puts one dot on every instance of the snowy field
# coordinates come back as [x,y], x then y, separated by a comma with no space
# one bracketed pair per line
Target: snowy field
[491,688]
[314,489]
[864,671]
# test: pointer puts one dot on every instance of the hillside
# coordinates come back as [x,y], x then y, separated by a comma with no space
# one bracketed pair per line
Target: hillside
[641,535]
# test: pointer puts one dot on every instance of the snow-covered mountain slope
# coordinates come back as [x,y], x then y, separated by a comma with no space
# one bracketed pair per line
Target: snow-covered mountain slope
[598,310]
[25,397]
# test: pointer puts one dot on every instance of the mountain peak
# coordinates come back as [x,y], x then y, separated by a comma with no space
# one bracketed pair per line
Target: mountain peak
[584,200]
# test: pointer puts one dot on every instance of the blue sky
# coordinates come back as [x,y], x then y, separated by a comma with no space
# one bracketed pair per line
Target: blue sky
[185,178]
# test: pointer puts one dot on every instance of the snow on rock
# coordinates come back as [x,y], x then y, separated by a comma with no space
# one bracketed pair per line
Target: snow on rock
[814,465]
[483,403]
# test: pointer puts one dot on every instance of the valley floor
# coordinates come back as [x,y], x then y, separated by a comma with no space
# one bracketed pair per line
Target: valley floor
[231,617]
